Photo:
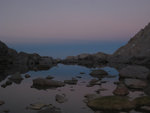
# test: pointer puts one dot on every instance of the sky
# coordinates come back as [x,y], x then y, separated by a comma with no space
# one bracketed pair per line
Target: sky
[64,21]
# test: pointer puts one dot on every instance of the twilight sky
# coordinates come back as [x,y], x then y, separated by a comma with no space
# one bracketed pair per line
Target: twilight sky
[57,21]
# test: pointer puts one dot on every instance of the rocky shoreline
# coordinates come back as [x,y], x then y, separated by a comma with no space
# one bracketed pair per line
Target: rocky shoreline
[132,61]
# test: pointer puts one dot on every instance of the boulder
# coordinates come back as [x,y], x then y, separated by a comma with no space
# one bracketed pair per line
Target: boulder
[37,106]
[121,90]
[138,72]
[110,103]
[45,83]
[50,110]
[60,98]
[135,83]
[72,82]
[99,73]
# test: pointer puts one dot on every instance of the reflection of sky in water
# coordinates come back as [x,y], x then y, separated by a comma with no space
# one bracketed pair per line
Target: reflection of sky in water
[22,95]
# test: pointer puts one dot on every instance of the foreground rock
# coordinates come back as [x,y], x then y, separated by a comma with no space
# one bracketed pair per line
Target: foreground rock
[111,103]
[118,103]
[46,83]
[61,98]
[16,76]
[99,73]
[138,72]
[135,83]
[121,90]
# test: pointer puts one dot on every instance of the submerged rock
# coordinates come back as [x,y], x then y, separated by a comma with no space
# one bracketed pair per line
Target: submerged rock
[73,81]
[111,103]
[49,77]
[142,101]
[27,76]
[61,98]
[138,72]
[135,83]
[99,73]
[45,83]
[50,110]
[121,90]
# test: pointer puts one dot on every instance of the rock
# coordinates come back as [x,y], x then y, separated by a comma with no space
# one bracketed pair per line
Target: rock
[142,101]
[111,103]
[16,76]
[49,77]
[91,96]
[8,82]
[121,90]
[93,82]
[6,111]
[147,90]
[27,76]
[73,81]
[45,83]
[145,108]
[78,77]
[135,83]
[138,47]
[60,98]
[138,72]
[82,73]
[50,110]
[99,73]
[37,106]
[1,102]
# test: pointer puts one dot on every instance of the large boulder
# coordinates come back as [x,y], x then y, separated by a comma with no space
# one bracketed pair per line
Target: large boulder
[135,83]
[138,72]
[46,83]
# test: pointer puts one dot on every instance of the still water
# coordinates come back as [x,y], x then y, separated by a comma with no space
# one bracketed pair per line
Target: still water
[18,96]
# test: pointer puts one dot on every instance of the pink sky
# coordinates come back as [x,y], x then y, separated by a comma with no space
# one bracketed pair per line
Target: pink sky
[39,21]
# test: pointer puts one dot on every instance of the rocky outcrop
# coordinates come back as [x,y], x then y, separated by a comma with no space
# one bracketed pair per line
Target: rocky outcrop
[136,51]
[88,60]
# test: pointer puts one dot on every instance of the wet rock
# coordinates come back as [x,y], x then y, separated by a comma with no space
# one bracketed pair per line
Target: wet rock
[27,76]
[99,73]
[135,83]
[72,82]
[2,102]
[93,82]
[37,106]
[45,83]
[61,98]
[111,103]
[16,76]
[49,77]
[50,110]
[121,90]
[138,72]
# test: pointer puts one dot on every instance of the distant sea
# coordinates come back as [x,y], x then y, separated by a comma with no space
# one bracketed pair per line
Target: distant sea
[62,50]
